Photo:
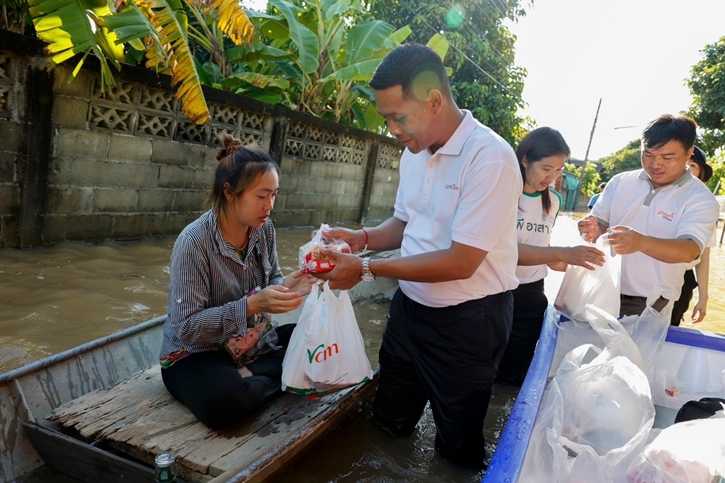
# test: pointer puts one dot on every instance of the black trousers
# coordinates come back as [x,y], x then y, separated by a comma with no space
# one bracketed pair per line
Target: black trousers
[209,384]
[447,356]
[683,303]
[530,304]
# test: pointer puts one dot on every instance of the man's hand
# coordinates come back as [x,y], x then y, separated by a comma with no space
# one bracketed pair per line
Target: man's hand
[275,299]
[589,228]
[346,273]
[624,240]
[354,238]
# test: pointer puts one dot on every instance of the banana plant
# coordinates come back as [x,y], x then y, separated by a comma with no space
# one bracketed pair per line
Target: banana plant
[160,28]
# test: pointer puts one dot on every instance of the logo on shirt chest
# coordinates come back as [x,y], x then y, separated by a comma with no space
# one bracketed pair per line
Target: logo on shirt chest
[666,216]
[452,187]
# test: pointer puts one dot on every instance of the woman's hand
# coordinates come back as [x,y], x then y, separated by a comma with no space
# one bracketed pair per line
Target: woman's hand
[275,299]
[300,282]
[699,311]
[587,257]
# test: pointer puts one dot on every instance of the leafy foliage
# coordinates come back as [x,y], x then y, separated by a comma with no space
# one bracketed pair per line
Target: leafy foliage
[626,159]
[158,28]
[707,86]
[590,183]
[485,79]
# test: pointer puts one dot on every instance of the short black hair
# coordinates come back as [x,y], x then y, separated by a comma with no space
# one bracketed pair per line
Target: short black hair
[668,128]
[404,66]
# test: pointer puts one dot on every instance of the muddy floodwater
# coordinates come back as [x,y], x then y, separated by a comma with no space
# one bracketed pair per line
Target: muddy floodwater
[57,297]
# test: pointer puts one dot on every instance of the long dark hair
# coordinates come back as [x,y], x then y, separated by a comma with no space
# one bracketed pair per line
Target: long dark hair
[240,166]
[537,145]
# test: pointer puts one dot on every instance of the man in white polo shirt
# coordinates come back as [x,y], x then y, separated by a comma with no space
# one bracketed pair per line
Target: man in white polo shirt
[455,223]
[661,217]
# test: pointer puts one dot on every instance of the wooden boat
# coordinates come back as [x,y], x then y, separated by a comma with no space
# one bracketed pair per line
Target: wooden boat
[680,343]
[99,412]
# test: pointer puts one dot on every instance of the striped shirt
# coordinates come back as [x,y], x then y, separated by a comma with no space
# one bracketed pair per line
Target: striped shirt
[208,283]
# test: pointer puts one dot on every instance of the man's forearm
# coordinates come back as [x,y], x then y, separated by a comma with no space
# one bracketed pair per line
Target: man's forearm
[671,250]
[456,263]
[386,236]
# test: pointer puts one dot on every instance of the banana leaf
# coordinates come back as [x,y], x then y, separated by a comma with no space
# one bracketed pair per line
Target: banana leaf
[365,38]
[69,27]
[231,19]
[305,40]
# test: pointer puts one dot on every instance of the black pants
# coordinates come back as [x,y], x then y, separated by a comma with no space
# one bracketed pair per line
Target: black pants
[681,306]
[633,305]
[447,356]
[529,307]
[209,384]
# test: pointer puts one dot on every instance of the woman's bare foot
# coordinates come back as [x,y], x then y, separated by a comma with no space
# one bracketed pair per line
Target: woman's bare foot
[244,372]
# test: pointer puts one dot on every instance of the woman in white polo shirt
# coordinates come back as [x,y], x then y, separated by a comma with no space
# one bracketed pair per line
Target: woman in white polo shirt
[542,155]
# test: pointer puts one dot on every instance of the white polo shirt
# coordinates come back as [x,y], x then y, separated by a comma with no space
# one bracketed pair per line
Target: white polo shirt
[684,209]
[466,192]
[533,227]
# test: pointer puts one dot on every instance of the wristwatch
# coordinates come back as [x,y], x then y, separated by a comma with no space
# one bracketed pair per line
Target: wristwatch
[367,275]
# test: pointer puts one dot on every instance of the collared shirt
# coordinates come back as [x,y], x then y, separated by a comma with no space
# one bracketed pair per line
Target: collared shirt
[208,283]
[683,209]
[533,227]
[466,192]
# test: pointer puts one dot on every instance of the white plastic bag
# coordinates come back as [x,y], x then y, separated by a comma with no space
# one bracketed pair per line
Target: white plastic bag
[597,412]
[326,351]
[687,452]
[310,254]
[599,287]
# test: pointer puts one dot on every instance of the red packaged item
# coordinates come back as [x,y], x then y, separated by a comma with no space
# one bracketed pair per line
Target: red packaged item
[311,258]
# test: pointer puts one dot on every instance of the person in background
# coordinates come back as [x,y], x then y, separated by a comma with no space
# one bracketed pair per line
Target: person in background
[542,155]
[455,224]
[660,216]
[593,199]
[218,263]
[700,277]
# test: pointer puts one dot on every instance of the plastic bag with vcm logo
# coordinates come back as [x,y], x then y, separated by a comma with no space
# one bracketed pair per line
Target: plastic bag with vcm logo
[326,351]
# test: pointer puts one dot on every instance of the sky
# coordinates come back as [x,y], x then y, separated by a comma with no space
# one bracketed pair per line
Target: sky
[633,54]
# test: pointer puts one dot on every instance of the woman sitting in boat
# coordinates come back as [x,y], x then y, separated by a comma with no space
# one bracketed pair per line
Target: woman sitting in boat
[542,155]
[224,283]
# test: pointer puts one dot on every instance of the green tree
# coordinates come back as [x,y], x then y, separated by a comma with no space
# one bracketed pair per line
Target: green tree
[484,79]
[707,87]
[718,174]
[626,159]
[590,183]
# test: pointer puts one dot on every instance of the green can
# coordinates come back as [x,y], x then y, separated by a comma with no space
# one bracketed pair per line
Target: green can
[165,467]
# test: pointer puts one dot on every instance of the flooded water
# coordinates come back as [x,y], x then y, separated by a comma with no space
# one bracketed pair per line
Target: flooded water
[54,298]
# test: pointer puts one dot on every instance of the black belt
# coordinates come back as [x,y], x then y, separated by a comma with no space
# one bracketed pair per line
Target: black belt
[632,297]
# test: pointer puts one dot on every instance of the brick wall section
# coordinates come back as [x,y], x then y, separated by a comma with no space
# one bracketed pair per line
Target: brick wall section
[128,164]
[12,126]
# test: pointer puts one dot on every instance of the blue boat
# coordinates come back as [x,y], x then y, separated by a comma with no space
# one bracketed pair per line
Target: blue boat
[508,460]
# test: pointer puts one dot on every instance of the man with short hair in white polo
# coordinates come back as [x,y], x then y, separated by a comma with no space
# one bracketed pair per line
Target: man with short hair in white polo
[659,218]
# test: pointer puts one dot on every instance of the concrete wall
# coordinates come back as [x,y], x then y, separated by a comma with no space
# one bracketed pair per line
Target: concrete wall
[80,164]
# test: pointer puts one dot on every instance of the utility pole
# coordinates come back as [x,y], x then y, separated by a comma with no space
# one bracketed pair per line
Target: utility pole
[586,158]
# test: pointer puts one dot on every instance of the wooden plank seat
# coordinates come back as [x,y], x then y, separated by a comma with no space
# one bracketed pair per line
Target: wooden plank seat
[140,418]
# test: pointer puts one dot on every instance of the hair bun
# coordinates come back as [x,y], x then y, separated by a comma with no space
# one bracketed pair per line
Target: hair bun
[229,145]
